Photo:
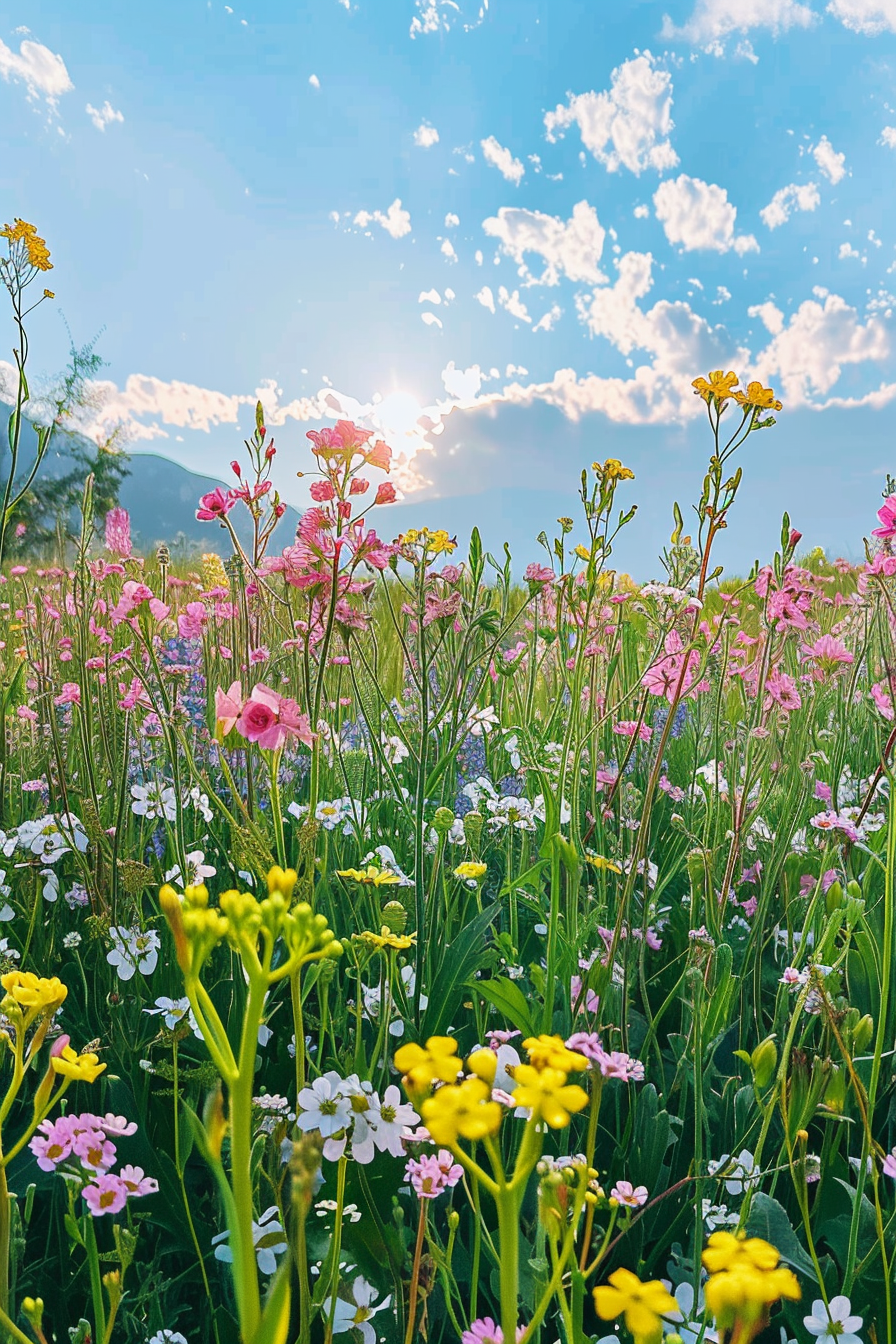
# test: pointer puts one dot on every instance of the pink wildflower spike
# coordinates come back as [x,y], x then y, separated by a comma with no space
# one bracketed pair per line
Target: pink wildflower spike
[887,516]
[118,532]
[69,695]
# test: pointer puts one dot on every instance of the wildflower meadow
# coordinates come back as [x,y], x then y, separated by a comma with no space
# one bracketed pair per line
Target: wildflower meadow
[402,946]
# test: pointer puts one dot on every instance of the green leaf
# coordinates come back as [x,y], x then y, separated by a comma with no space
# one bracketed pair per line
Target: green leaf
[274,1324]
[461,957]
[769,1220]
[509,1000]
[526,879]
[475,553]
[73,1230]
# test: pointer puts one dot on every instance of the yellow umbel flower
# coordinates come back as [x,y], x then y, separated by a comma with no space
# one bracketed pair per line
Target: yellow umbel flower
[34,993]
[613,470]
[484,1063]
[546,1093]
[757,395]
[399,942]
[720,386]
[465,1110]
[35,248]
[549,1052]
[84,1068]
[643,1305]
[369,876]
[422,1066]
[470,872]
[214,575]
[745,1279]
[724,1250]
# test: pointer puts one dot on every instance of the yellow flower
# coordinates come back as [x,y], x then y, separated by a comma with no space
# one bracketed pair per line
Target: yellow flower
[435,542]
[598,861]
[644,1304]
[399,941]
[48,294]
[724,1250]
[35,247]
[720,386]
[422,1066]
[84,1068]
[549,1052]
[613,470]
[34,993]
[582,552]
[741,1295]
[484,1063]
[547,1094]
[759,396]
[465,1110]
[470,872]
[369,876]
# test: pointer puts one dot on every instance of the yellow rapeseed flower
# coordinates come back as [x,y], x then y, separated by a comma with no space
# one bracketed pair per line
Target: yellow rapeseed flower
[465,1110]
[369,876]
[724,1250]
[84,1068]
[741,1296]
[598,861]
[470,872]
[35,247]
[720,386]
[582,552]
[32,992]
[400,942]
[484,1063]
[613,470]
[546,1093]
[422,1066]
[759,396]
[549,1052]
[643,1304]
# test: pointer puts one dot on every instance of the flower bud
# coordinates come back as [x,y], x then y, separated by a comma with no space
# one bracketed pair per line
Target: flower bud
[764,1061]
[33,1311]
[833,897]
[473,823]
[443,820]
[394,917]
[864,1030]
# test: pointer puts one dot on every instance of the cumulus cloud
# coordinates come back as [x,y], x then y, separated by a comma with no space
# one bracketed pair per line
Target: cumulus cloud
[549,320]
[103,116]
[395,221]
[502,159]
[626,126]
[847,250]
[426,136]
[447,250]
[714,20]
[41,71]
[430,319]
[438,16]
[514,304]
[888,137]
[771,316]
[806,357]
[145,404]
[430,296]
[314,81]
[572,248]
[795,196]
[451,221]
[865,16]
[829,161]
[486,298]
[698,216]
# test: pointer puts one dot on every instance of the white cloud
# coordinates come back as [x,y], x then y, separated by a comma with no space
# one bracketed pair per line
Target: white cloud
[451,221]
[462,384]
[699,217]
[426,136]
[628,125]
[772,317]
[865,16]
[502,159]
[143,398]
[573,248]
[430,319]
[314,81]
[642,212]
[829,161]
[795,196]
[714,20]
[807,356]
[846,251]
[888,137]
[103,116]
[549,320]
[430,296]
[41,71]
[486,298]
[438,16]
[447,250]
[395,221]
[514,304]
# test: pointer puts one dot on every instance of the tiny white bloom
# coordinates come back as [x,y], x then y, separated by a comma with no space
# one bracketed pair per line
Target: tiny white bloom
[834,1323]
[355,1315]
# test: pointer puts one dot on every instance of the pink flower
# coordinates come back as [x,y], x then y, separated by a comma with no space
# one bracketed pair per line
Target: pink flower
[889,1167]
[385,493]
[269,719]
[54,1144]
[536,573]
[228,708]
[485,1331]
[433,1173]
[69,695]
[216,504]
[94,1149]
[629,727]
[191,620]
[828,652]
[822,791]
[632,1196]
[118,532]
[321,491]
[781,689]
[107,1194]
[887,516]
[582,1003]
[380,455]
[881,696]
[359,486]
[136,1182]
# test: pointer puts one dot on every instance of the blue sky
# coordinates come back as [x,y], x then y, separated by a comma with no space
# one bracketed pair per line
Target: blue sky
[507,237]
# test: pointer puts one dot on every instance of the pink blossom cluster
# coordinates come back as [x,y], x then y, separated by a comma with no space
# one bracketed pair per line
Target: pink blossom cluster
[675,673]
[433,1173]
[83,1144]
[265,717]
[610,1063]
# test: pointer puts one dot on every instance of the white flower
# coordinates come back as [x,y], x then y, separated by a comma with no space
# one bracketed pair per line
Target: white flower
[389,1118]
[688,1320]
[834,1323]
[72,940]
[322,1106]
[330,814]
[517,813]
[512,747]
[482,721]
[197,869]
[268,1238]
[538,809]
[167,1337]
[6,951]
[133,951]
[8,844]
[355,1315]
[51,885]
[394,750]
[717,1215]
[200,802]
[174,1011]
[154,801]
[739,1173]
[44,838]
